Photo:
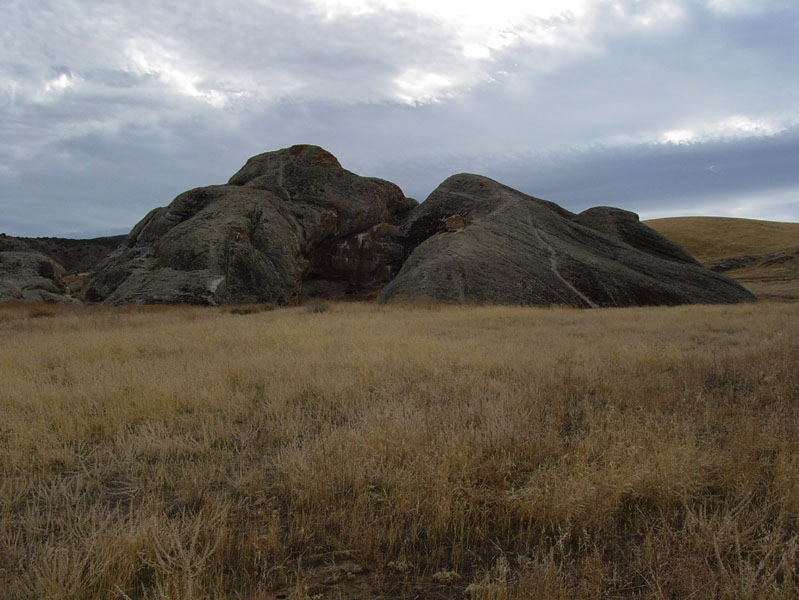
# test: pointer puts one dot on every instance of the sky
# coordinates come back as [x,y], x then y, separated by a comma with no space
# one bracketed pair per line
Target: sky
[663,107]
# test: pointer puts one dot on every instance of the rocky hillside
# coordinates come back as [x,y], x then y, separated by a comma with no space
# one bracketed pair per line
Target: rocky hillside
[289,224]
[761,255]
[31,277]
[74,255]
[294,223]
[481,241]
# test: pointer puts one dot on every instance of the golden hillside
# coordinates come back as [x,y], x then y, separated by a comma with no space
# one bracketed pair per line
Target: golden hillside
[710,239]
[761,255]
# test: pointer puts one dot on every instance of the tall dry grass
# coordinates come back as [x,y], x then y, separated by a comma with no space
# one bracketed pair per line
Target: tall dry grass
[490,453]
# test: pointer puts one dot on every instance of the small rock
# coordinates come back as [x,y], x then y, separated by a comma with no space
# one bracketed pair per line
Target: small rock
[455,223]
[446,577]
[400,566]
[346,570]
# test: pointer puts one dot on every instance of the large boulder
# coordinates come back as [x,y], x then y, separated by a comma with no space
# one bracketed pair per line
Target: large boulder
[477,240]
[31,277]
[287,217]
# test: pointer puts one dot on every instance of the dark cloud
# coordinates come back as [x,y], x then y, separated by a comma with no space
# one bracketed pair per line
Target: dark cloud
[109,109]
[652,179]
[669,178]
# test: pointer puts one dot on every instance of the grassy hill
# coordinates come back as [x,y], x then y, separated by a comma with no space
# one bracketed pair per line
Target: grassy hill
[75,255]
[761,255]
[712,239]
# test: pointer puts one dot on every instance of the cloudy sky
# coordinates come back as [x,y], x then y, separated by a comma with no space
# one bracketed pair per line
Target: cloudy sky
[664,107]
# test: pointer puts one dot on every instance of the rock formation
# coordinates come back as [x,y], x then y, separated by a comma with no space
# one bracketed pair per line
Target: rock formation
[31,277]
[289,223]
[293,223]
[477,240]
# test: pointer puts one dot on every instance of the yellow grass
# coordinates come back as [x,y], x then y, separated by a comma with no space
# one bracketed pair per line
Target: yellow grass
[401,452]
[773,275]
[710,239]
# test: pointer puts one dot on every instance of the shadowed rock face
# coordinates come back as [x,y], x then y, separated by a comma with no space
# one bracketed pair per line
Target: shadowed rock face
[31,277]
[286,217]
[510,248]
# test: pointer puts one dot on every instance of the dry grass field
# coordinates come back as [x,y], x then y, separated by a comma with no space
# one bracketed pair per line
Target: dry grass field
[710,239]
[767,250]
[490,453]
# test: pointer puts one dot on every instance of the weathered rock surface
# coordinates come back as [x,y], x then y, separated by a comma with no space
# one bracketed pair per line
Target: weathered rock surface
[510,248]
[286,217]
[293,223]
[31,277]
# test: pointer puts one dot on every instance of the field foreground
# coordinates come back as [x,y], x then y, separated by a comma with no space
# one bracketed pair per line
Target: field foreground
[401,452]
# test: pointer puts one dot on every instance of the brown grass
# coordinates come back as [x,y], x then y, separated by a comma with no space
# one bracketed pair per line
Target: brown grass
[436,452]
[774,247]
[710,239]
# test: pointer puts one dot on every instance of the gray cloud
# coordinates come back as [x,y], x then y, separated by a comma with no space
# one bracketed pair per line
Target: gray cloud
[109,109]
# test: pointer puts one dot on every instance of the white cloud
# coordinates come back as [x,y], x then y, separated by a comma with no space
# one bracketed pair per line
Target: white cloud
[649,15]
[474,12]
[733,126]
[378,79]
[677,136]
[766,205]
[740,6]
[741,125]
[480,27]
[476,51]
[147,57]
[416,86]
[50,90]
[59,84]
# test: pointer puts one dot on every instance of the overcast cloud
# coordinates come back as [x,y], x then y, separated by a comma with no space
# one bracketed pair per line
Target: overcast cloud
[664,107]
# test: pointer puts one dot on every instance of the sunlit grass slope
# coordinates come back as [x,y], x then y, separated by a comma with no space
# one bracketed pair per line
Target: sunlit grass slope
[763,256]
[711,239]
[400,452]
